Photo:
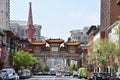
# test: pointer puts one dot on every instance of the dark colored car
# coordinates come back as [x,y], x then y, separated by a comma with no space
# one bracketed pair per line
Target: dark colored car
[43,73]
[116,76]
[23,74]
[99,76]
[93,76]
[52,72]
[40,73]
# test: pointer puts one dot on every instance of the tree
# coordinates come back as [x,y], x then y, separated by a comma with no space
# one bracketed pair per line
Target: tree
[117,32]
[103,49]
[46,68]
[22,58]
[73,66]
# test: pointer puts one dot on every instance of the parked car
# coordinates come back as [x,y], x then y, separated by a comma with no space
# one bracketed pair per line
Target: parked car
[68,73]
[40,73]
[43,73]
[75,73]
[1,76]
[16,76]
[26,73]
[58,74]
[117,75]
[52,72]
[9,73]
[98,76]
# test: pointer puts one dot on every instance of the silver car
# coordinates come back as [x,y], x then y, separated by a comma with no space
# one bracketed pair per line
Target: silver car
[9,73]
[117,75]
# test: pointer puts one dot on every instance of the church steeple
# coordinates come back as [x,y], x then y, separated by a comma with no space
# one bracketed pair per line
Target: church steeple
[30,26]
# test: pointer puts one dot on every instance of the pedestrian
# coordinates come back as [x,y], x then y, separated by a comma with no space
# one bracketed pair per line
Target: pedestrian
[89,73]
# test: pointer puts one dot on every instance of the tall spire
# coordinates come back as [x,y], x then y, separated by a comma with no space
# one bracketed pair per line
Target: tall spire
[30,26]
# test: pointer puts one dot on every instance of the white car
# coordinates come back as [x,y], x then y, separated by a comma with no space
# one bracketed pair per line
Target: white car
[75,73]
[118,75]
[16,76]
[58,74]
[9,73]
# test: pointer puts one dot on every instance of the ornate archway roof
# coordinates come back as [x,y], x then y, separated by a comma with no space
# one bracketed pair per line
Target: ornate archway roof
[29,49]
[73,43]
[38,43]
[54,40]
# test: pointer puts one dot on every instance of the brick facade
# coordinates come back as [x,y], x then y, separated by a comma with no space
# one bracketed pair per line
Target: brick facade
[110,12]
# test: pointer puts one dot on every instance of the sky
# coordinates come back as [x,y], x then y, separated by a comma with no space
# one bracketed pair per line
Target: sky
[57,17]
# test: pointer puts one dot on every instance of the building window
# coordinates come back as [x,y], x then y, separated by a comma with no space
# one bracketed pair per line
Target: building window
[22,32]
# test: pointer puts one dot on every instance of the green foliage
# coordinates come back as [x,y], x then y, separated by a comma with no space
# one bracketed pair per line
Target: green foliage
[102,50]
[74,66]
[46,68]
[22,58]
[68,68]
[117,31]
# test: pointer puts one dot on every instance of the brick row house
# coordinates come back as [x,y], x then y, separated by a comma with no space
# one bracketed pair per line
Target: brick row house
[109,19]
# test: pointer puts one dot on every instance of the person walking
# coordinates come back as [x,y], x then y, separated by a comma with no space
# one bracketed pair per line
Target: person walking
[89,73]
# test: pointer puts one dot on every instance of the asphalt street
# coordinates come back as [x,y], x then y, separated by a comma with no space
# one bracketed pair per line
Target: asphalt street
[52,78]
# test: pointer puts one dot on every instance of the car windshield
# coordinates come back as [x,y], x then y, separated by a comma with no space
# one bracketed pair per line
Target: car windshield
[103,74]
[52,71]
[92,74]
[8,71]
[3,72]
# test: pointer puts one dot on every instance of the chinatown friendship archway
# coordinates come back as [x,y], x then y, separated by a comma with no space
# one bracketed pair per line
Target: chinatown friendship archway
[57,48]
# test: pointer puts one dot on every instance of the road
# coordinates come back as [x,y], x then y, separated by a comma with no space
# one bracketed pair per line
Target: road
[52,78]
